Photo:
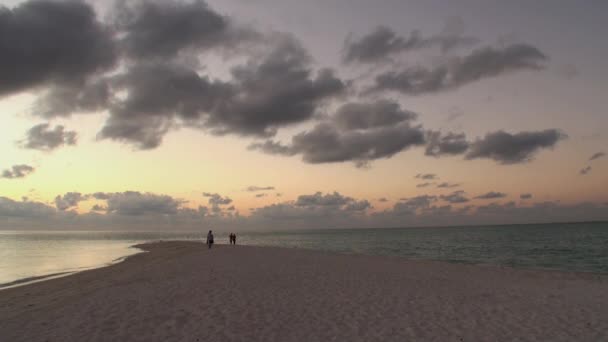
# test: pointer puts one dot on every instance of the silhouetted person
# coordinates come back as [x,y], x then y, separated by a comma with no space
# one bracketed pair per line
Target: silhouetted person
[233,239]
[210,239]
[230,237]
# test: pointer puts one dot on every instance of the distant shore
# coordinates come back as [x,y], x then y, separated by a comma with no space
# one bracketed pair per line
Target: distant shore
[181,291]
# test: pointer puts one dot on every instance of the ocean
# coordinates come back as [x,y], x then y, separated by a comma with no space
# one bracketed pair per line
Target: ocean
[27,256]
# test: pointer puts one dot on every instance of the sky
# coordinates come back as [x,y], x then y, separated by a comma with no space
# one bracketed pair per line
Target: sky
[233,114]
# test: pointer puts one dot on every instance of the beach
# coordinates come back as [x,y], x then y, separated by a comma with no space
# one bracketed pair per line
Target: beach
[182,291]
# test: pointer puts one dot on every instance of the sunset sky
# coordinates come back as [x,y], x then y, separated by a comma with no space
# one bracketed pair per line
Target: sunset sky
[286,114]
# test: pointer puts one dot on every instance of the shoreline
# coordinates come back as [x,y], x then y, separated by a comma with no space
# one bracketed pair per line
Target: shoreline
[142,247]
[183,291]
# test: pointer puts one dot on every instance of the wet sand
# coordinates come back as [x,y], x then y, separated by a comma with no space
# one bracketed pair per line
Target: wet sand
[181,291]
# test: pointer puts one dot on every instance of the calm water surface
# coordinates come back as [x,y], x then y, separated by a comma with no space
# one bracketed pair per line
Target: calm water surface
[570,247]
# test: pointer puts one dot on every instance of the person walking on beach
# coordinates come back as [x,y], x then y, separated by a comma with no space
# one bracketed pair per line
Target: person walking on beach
[230,238]
[233,239]
[210,239]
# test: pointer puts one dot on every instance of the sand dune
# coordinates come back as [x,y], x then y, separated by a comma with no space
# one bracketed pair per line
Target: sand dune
[181,291]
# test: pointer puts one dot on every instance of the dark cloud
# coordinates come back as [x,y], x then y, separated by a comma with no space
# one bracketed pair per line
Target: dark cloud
[62,100]
[158,94]
[424,185]
[448,144]
[98,207]
[42,137]
[585,171]
[382,199]
[507,148]
[254,188]
[447,185]
[134,203]
[597,155]
[46,42]
[455,197]
[17,171]
[260,195]
[492,195]
[24,209]
[311,208]
[383,43]
[69,200]
[217,201]
[326,144]
[426,176]
[161,29]
[266,93]
[481,63]
[525,196]
[362,115]
[358,132]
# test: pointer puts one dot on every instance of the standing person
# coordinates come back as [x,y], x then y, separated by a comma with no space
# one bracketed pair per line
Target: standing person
[233,239]
[210,239]
[230,236]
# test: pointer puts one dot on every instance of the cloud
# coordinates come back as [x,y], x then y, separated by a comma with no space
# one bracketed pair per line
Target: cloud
[383,43]
[254,188]
[492,195]
[69,200]
[447,185]
[17,171]
[507,148]
[455,197]
[350,136]
[134,203]
[161,29]
[315,208]
[382,199]
[525,196]
[481,63]
[264,94]
[66,45]
[597,155]
[217,201]
[426,176]
[367,115]
[585,171]
[448,144]
[24,209]
[424,185]
[42,137]
[260,195]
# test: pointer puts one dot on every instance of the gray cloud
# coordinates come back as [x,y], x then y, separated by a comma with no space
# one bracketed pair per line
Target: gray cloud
[63,100]
[266,93]
[492,195]
[362,115]
[24,209]
[597,155]
[163,28]
[260,195]
[507,148]
[427,176]
[65,43]
[455,197]
[424,185]
[383,43]
[525,196]
[382,199]
[585,171]
[448,144]
[69,200]
[447,185]
[481,63]
[254,188]
[42,137]
[217,201]
[134,203]
[17,171]
[349,136]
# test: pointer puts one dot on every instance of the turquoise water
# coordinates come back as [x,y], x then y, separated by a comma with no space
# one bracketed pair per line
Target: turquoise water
[579,247]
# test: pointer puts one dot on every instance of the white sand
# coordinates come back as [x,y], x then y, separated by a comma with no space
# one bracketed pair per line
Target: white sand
[180,291]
